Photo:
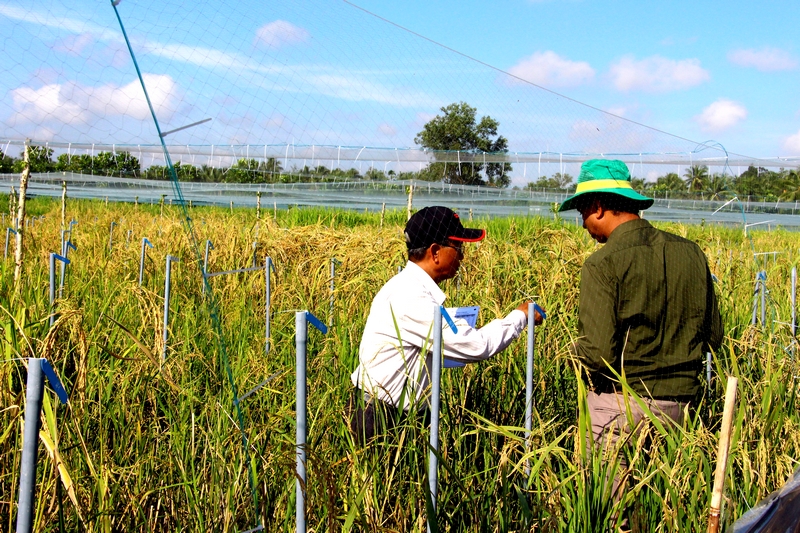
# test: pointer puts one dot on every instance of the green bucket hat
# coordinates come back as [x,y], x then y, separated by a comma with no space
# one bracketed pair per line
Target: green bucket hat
[605,175]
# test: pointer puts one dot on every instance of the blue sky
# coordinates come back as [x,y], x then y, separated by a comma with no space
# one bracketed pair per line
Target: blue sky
[728,71]
[328,73]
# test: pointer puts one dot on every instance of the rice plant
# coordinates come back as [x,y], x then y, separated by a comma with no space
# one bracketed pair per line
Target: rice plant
[149,444]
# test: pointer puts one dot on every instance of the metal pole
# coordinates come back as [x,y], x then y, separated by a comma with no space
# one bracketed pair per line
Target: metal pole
[755,300]
[794,309]
[268,298]
[8,231]
[170,259]
[111,235]
[433,460]
[529,383]
[333,288]
[30,444]
[145,242]
[65,262]
[52,288]
[205,264]
[301,338]
[763,298]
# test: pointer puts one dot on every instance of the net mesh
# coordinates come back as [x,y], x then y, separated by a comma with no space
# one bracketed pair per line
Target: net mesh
[289,85]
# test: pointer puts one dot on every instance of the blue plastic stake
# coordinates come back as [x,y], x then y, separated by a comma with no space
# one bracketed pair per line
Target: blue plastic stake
[334,263]
[67,246]
[55,383]
[110,235]
[268,266]
[301,321]
[794,310]
[53,258]
[30,446]
[8,231]
[170,260]
[433,460]
[38,369]
[145,242]
[205,264]
[449,320]
[763,298]
[529,381]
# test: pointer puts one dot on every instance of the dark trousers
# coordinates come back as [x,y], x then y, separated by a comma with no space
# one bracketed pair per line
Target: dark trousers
[371,417]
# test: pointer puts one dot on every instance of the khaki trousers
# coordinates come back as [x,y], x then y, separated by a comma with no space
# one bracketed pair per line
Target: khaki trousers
[609,419]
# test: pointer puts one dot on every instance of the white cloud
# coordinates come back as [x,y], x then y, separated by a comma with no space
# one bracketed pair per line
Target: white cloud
[72,103]
[75,44]
[657,74]
[792,143]
[549,69]
[279,33]
[721,115]
[765,59]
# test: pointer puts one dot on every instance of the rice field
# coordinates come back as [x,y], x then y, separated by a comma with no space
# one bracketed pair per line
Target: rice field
[146,444]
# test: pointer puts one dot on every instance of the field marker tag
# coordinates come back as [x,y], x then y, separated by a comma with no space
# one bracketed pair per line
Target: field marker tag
[52,377]
[314,321]
[449,320]
[61,258]
[539,310]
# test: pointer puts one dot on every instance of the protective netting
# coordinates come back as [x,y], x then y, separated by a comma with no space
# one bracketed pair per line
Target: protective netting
[277,83]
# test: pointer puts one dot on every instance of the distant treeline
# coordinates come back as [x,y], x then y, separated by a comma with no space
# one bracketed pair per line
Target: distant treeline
[696,182]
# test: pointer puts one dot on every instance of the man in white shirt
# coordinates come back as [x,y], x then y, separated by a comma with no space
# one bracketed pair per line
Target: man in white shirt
[393,375]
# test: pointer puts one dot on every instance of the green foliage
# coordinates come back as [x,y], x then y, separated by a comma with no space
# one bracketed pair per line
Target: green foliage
[558,181]
[147,444]
[457,130]
[40,160]
[6,163]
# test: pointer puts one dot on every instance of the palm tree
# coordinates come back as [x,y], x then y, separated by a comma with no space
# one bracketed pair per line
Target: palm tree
[717,184]
[791,186]
[670,182]
[696,178]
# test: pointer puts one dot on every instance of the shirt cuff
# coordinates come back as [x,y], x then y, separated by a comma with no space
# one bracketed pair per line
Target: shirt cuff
[519,319]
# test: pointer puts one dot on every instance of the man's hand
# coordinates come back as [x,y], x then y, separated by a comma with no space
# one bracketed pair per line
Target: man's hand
[537,317]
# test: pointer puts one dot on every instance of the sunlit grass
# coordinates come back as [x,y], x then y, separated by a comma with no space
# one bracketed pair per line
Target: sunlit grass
[150,445]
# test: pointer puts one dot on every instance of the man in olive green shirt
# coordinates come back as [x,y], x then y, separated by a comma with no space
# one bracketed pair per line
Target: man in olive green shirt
[647,305]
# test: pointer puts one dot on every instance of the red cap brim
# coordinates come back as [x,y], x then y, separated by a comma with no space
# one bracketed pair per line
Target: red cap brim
[469,235]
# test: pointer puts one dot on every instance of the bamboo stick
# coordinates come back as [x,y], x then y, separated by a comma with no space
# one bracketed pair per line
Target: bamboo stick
[63,205]
[23,189]
[722,455]
[410,198]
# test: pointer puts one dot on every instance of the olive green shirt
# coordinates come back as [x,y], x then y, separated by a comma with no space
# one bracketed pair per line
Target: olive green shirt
[647,305]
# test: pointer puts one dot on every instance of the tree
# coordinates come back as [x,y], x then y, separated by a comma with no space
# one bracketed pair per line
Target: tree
[457,132]
[717,185]
[558,181]
[40,160]
[6,163]
[791,186]
[696,178]
[669,182]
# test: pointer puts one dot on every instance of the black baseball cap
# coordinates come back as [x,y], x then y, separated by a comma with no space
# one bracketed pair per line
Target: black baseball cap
[437,224]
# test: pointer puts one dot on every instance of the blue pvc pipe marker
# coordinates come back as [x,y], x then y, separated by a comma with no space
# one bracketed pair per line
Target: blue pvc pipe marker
[55,383]
[30,440]
[302,319]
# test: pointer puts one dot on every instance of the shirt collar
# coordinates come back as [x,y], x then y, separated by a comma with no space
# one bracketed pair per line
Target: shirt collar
[627,227]
[415,271]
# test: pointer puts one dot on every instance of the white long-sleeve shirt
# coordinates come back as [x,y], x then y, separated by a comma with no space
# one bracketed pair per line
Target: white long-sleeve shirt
[400,326]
